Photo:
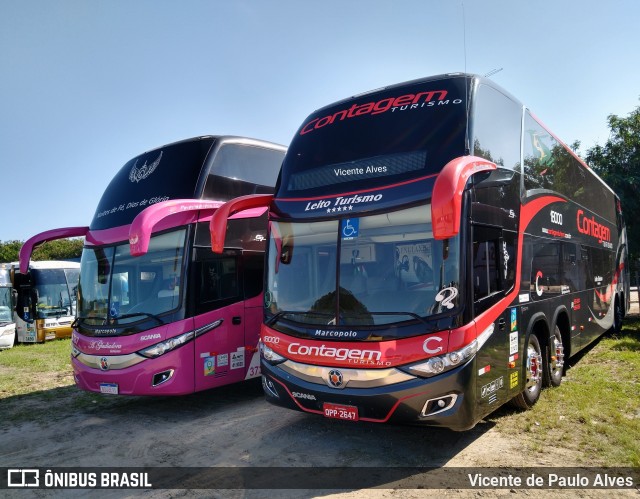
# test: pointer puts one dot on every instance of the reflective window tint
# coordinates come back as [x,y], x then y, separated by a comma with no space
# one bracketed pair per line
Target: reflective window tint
[548,165]
[496,127]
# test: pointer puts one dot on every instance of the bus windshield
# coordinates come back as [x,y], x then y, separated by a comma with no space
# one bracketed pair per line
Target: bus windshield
[5,305]
[118,288]
[369,270]
[55,292]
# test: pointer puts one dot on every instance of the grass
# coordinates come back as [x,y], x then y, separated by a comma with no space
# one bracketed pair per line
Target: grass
[36,385]
[595,411]
[594,414]
[26,368]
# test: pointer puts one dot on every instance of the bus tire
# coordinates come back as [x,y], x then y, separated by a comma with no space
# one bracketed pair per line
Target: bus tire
[553,361]
[618,316]
[533,375]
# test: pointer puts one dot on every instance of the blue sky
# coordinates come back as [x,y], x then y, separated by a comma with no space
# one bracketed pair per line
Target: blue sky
[85,85]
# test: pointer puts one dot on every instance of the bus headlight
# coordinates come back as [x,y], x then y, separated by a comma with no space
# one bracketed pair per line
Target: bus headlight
[451,360]
[269,355]
[166,346]
[442,363]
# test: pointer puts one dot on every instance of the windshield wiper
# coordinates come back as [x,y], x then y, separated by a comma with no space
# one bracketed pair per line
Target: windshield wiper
[147,314]
[79,318]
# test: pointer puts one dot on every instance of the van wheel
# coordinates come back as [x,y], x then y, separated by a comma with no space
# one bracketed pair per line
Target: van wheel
[553,362]
[533,384]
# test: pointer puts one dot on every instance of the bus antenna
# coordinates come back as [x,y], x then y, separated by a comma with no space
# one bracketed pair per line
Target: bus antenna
[492,72]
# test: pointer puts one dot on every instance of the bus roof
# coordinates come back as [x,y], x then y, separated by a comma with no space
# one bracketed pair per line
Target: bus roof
[49,264]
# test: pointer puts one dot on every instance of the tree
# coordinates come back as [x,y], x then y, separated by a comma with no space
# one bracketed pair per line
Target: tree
[63,249]
[9,251]
[618,163]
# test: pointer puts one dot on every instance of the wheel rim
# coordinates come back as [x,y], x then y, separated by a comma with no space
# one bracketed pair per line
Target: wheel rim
[534,368]
[557,359]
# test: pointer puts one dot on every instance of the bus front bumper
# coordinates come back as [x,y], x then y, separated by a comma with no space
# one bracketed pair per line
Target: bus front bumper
[162,376]
[445,400]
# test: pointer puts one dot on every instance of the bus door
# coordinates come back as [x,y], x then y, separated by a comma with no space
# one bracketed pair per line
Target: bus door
[220,353]
[493,271]
[25,309]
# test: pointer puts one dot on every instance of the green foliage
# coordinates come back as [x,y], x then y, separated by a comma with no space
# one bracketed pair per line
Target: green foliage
[63,249]
[9,251]
[618,163]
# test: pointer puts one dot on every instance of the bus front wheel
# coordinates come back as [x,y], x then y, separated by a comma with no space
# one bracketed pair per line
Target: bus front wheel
[533,382]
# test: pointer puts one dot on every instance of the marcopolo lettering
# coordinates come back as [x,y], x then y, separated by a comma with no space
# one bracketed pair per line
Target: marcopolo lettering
[590,227]
[336,353]
[373,108]
[335,334]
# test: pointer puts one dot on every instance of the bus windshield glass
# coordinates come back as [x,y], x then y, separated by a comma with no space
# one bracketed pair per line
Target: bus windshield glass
[117,288]
[370,270]
[55,292]
[381,138]
[5,305]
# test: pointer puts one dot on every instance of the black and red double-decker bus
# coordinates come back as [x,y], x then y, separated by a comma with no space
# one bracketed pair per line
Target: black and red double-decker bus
[434,251]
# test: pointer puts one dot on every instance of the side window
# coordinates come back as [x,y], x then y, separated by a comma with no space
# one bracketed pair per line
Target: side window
[253,273]
[546,274]
[539,157]
[488,268]
[496,128]
[218,281]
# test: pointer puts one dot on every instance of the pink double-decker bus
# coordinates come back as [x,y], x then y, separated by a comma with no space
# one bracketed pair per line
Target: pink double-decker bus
[158,313]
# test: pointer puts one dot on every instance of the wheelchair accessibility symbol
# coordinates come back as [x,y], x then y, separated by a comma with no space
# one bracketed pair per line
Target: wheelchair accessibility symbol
[349,228]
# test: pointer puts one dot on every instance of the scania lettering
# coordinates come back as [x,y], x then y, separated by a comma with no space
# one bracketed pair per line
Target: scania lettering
[158,312]
[454,273]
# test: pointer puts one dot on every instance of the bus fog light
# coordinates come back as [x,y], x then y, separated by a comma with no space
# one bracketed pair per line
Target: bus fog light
[435,406]
[162,377]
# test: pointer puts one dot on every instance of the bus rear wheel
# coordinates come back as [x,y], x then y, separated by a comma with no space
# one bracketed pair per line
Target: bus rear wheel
[553,362]
[618,316]
[533,384]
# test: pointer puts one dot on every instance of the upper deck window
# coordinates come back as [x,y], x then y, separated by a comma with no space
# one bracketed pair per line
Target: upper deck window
[497,121]
[251,164]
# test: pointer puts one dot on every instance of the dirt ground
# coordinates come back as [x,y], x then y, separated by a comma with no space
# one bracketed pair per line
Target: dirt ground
[234,427]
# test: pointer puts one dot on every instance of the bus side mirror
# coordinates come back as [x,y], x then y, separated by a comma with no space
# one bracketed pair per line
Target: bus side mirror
[286,253]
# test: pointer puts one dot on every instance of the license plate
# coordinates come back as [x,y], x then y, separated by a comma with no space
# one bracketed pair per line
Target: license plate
[336,411]
[110,388]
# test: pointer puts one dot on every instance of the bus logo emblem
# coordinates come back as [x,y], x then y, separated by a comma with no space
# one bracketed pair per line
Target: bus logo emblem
[104,364]
[425,345]
[335,378]
[138,174]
